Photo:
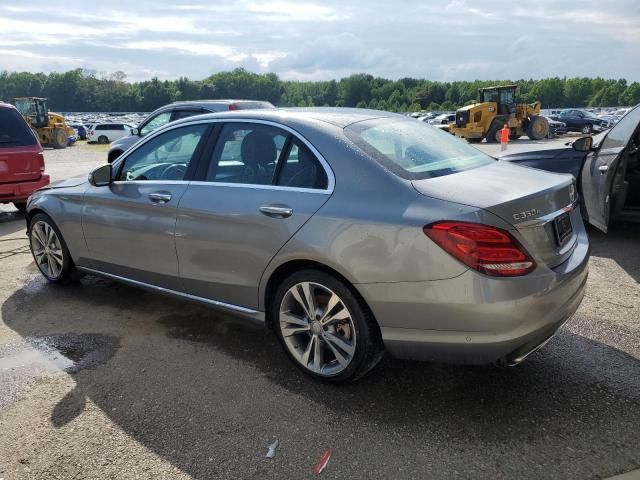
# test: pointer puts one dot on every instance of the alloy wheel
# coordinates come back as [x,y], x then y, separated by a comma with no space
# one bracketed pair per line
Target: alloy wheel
[317,328]
[47,250]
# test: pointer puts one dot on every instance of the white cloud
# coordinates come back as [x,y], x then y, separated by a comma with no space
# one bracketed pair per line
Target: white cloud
[309,39]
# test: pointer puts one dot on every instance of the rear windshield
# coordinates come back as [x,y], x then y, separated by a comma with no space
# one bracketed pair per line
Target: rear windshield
[414,150]
[14,131]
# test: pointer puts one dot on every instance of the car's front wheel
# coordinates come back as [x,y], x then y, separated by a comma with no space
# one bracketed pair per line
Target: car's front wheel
[50,251]
[102,140]
[324,328]
[587,128]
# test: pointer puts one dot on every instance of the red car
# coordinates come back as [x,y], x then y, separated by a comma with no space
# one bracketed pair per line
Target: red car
[21,159]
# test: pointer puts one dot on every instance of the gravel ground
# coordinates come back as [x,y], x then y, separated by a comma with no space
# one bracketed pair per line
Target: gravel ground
[99,380]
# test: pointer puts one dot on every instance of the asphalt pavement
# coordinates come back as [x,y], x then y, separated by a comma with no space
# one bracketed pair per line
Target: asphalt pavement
[101,380]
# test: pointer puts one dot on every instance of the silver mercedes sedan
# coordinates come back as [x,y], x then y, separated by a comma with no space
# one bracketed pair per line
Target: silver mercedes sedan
[348,232]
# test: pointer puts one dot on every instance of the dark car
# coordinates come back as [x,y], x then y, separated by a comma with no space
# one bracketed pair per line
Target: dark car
[175,111]
[556,128]
[607,169]
[581,121]
[21,159]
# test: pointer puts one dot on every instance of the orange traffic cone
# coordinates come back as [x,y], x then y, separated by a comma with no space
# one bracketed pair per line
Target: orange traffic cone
[504,137]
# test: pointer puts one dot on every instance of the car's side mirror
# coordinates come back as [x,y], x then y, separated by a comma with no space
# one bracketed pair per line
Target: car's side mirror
[101,176]
[584,144]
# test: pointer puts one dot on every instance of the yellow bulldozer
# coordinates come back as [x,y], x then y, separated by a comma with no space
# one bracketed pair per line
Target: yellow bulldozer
[50,127]
[496,108]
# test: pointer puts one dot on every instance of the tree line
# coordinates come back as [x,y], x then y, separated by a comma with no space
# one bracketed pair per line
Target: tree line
[84,90]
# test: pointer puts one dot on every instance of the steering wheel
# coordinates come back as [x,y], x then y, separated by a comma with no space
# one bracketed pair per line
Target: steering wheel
[175,171]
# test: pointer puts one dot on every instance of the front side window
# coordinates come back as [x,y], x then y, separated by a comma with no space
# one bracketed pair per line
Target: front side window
[156,122]
[414,150]
[165,157]
[246,153]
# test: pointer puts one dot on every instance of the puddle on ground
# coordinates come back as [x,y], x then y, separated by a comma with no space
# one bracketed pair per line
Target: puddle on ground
[61,352]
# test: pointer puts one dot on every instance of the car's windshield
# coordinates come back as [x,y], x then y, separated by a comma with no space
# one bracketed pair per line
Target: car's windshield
[14,131]
[414,150]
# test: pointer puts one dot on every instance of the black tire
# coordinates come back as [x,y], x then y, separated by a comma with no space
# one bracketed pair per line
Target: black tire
[59,138]
[474,140]
[587,129]
[368,344]
[538,128]
[102,140]
[68,272]
[21,206]
[493,135]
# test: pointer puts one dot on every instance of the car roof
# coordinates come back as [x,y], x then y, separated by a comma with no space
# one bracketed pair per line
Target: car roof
[340,117]
[220,101]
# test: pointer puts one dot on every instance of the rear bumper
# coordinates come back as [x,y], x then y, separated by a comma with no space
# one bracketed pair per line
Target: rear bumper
[474,319]
[20,191]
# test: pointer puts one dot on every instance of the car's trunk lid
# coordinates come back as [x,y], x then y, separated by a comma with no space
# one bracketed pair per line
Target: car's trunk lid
[529,199]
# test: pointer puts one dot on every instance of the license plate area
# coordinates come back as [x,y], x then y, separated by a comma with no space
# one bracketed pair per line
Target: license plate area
[562,228]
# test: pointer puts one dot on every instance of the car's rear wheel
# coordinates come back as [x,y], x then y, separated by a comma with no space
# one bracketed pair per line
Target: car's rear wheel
[324,328]
[50,251]
[103,140]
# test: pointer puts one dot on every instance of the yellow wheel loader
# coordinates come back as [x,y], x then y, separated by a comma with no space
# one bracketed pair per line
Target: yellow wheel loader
[50,128]
[496,108]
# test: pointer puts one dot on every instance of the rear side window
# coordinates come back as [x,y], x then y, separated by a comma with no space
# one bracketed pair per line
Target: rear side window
[14,131]
[414,150]
[301,169]
[246,153]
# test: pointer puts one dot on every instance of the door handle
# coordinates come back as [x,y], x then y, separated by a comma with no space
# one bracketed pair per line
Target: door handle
[603,169]
[276,211]
[158,197]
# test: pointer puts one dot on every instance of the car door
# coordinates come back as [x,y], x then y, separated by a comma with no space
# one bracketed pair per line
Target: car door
[129,225]
[602,176]
[262,183]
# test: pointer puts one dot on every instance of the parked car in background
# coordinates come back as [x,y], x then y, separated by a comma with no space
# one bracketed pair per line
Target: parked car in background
[556,128]
[176,111]
[618,114]
[21,159]
[581,121]
[607,169]
[443,119]
[443,253]
[80,129]
[106,132]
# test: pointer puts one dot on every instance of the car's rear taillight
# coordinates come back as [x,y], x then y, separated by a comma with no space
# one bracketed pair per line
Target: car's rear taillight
[233,106]
[41,158]
[489,250]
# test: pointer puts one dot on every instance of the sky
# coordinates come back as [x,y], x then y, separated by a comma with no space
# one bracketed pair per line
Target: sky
[317,40]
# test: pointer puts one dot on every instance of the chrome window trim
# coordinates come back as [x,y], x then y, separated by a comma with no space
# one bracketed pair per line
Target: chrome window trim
[263,187]
[331,180]
[255,314]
